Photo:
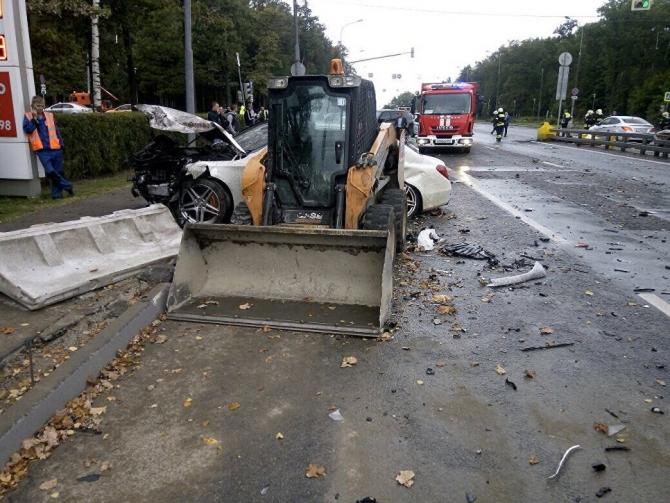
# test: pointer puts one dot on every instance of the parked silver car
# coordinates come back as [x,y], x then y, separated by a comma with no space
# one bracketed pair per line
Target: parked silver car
[68,108]
[623,124]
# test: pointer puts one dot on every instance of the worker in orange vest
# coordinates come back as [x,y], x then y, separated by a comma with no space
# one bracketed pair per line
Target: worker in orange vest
[47,143]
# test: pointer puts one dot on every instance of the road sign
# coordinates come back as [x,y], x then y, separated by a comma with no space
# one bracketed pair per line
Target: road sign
[666,97]
[640,5]
[297,69]
[575,91]
[562,82]
[565,59]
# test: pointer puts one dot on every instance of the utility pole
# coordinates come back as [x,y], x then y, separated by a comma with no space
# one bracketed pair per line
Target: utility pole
[239,76]
[579,59]
[95,56]
[297,68]
[498,81]
[539,101]
[188,59]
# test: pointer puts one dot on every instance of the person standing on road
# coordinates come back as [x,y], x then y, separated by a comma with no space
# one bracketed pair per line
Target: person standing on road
[47,143]
[589,119]
[499,123]
[508,119]
[214,113]
[664,121]
[233,125]
[250,116]
[565,121]
[599,116]
[262,114]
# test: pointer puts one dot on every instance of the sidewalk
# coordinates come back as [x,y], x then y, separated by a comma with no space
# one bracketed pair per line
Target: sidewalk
[103,204]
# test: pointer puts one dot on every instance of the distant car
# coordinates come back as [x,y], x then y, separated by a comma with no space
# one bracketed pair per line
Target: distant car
[624,124]
[203,183]
[122,108]
[68,108]
[391,115]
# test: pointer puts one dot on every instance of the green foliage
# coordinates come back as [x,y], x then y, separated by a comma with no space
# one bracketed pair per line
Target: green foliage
[99,144]
[625,62]
[402,100]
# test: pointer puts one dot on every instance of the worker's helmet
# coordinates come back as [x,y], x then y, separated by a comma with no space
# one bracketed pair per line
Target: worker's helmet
[500,110]
[599,111]
[567,115]
[589,112]
[666,114]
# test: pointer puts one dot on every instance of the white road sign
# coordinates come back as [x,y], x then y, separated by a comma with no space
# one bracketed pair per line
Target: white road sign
[565,59]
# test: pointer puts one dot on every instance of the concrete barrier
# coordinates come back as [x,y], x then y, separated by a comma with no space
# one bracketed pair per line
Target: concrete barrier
[47,263]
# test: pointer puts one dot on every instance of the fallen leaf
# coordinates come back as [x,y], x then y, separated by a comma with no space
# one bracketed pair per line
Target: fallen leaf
[440,363]
[589,293]
[660,382]
[72,348]
[405,478]
[233,405]
[98,411]
[386,336]
[546,330]
[419,382]
[48,485]
[348,361]
[441,299]
[533,459]
[266,328]
[161,339]
[245,306]
[188,401]
[530,374]
[106,465]
[210,441]
[446,310]
[279,436]
[55,495]
[500,370]
[7,330]
[601,427]
[315,471]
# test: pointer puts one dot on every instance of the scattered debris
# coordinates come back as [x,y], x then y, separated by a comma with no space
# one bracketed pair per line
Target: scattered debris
[563,459]
[657,410]
[537,272]
[161,339]
[446,310]
[427,239]
[430,371]
[589,293]
[315,471]
[468,250]
[437,321]
[598,467]
[367,499]
[348,361]
[419,382]
[546,330]
[279,435]
[601,427]
[211,441]
[441,298]
[469,498]
[500,370]
[245,306]
[49,485]
[91,477]
[405,478]
[617,448]
[533,459]
[614,429]
[510,383]
[336,415]
[548,346]
[529,374]
[660,382]
[603,491]
[234,405]
[187,402]
[582,245]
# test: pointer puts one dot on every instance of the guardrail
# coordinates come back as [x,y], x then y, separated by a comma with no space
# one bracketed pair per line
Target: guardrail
[643,142]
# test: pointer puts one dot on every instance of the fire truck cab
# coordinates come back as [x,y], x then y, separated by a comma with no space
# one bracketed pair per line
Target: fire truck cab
[446,114]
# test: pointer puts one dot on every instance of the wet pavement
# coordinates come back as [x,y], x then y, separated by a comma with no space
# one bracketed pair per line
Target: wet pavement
[199,419]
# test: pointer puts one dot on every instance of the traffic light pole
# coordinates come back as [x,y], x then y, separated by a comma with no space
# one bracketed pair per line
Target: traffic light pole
[239,76]
[411,53]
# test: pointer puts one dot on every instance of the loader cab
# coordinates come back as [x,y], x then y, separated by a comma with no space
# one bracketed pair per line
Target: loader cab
[317,127]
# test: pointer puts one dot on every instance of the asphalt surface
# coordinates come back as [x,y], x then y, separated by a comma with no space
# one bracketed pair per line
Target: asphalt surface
[460,427]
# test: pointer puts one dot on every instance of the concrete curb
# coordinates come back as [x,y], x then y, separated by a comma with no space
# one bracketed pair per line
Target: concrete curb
[37,406]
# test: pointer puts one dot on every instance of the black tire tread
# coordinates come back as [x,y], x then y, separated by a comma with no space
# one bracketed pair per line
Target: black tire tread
[398,200]
[241,215]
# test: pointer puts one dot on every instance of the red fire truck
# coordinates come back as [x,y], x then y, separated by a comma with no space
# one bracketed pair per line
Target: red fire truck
[447,115]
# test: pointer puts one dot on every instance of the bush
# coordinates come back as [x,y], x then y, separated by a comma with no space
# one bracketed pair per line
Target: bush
[99,143]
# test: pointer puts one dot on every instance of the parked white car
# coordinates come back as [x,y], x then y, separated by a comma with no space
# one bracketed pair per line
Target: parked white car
[68,108]
[202,184]
[623,124]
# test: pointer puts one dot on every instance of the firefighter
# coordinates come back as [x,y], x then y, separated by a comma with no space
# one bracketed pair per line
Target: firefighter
[565,120]
[664,121]
[499,123]
[589,119]
[47,143]
[599,116]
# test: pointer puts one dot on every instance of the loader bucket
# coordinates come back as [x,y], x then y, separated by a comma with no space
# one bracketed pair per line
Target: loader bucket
[293,278]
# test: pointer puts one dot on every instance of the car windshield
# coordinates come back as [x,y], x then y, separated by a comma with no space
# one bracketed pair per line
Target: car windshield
[635,120]
[458,103]
[253,138]
[388,115]
[311,132]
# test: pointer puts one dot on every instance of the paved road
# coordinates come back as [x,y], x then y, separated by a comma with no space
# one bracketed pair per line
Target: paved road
[463,430]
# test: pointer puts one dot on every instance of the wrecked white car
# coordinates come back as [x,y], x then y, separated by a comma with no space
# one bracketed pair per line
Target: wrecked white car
[199,181]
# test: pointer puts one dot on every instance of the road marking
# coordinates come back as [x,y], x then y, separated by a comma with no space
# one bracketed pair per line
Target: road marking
[604,153]
[657,302]
[552,164]
[468,180]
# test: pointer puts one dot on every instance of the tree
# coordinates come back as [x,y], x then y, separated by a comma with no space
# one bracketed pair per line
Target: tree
[402,100]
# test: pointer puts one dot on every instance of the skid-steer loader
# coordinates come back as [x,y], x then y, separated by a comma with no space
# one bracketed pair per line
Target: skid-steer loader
[312,245]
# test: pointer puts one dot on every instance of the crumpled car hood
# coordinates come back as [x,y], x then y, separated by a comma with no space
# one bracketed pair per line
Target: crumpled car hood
[170,119]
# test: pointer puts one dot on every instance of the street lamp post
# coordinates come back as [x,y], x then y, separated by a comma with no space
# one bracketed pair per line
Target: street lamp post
[344,26]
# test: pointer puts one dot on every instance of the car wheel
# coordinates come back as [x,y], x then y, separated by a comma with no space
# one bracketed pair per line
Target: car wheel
[413,201]
[397,199]
[204,201]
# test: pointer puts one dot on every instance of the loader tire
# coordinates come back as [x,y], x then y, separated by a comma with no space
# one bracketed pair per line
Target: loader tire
[397,198]
[379,217]
[241,215]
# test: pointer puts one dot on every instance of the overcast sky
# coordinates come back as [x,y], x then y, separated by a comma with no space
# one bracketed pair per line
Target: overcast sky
[446,34]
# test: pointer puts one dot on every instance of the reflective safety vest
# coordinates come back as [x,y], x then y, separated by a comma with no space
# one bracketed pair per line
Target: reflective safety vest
[34,137]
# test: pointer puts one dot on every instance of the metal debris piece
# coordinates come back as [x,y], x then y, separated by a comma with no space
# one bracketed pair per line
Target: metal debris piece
[469,251]
[565,456]
[549,346]
[537,272]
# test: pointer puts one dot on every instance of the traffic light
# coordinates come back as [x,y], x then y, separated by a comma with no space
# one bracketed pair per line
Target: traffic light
[249,89]
[640,5]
